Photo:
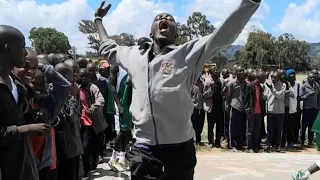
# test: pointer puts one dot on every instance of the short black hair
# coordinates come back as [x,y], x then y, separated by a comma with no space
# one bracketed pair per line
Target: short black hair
[143,40]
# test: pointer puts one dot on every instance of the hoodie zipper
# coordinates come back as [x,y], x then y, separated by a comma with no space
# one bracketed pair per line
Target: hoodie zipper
[151,108]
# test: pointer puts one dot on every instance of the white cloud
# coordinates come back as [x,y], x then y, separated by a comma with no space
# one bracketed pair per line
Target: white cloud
[130,16]
[135,17]
[302,20]
[64,17]
[218,10]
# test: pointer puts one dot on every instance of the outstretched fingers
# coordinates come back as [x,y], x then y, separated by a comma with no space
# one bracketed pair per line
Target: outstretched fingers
[108,7]
[102,4]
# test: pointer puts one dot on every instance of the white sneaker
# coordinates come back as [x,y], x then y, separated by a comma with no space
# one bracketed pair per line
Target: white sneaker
[300,175]
[121,167]
[112,164]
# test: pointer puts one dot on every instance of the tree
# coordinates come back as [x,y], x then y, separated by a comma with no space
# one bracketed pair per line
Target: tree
[293,53]
[124,39]
[49,40]
[263,50]
[199,25]
[259,50]
[184,33]
[88,28]
[316,61]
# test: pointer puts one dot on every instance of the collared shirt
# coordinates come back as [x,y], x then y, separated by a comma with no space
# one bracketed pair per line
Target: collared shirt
[85,102]
[257,106]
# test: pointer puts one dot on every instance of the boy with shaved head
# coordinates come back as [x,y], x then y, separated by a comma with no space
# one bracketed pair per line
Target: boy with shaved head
[255,110]
[17,160]
[69,140]
[162,76]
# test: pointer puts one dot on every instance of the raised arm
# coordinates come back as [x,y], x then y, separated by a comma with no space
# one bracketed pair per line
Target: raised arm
[61,87]
[205,48]
[109,49]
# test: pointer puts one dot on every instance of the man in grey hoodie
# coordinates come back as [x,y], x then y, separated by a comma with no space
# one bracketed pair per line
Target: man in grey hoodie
[163,75]
[235,99]
[310,94]
[275,94]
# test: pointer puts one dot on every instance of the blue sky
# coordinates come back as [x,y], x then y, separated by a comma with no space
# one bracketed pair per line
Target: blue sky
[299,17]
[277,9]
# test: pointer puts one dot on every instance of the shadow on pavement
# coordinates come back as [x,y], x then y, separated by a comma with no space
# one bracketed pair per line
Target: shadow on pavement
[105,173]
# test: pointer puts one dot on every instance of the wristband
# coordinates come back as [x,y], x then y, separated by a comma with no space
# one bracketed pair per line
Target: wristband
[97,18]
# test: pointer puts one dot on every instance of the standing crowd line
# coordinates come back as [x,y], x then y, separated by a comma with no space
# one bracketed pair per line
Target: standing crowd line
[57,112]
[237,102]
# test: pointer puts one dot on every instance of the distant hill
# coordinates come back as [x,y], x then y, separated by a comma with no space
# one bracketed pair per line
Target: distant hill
[314,48]
[229,52]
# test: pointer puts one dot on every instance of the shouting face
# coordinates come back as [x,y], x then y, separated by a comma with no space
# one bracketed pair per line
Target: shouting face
[164,29]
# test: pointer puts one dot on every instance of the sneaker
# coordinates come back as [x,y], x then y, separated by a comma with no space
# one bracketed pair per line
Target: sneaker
[310,144]
[250,151]
[120,167]
[300,175]
[112,164]
[290,146]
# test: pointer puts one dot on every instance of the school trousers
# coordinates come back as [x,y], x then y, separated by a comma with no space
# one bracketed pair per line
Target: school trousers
[91,146]
[226,122]
[308,117]
[274,130]
[253,131]
[197,119]
[69,168]
[296,118]
[163,162]
[215,118]
[236,128]
[288,125]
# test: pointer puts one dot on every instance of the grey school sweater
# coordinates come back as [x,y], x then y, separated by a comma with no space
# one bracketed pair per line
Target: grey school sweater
[161,103]
[275,98]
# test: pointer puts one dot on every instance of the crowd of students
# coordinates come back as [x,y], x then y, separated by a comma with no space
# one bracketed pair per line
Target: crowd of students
[57,111]
[238,101]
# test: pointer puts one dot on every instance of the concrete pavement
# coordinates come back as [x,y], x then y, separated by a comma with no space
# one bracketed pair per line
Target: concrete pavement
[236,166]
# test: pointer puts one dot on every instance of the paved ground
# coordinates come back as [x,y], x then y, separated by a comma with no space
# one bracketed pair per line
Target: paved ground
[236,166]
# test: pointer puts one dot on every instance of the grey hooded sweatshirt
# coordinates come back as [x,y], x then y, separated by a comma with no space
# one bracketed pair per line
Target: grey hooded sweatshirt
[161,103]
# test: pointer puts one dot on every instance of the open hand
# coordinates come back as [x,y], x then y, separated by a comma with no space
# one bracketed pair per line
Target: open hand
[269,85]
[90,111]
[102,11]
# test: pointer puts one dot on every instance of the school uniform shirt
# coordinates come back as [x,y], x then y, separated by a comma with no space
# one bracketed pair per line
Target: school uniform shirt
[161,103]
[257,107]
[17,161]
[254,99]
[294,100]
[92,97]
[85,102]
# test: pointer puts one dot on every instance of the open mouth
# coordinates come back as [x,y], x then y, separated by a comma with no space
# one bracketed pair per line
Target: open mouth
[163,26]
